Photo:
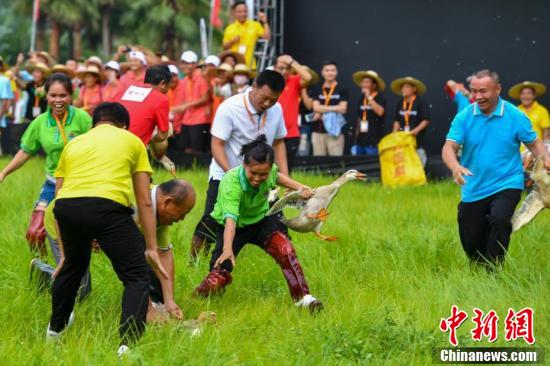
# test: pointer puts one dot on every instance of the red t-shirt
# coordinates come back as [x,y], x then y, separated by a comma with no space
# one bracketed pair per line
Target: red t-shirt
[130,79]
[192,89]
[290,101]
[175,98]
[148,109]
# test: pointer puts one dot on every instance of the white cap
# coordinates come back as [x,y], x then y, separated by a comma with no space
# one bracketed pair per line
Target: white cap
[112,65]
[138,55]
[189,57]
[213,60]
[173,69]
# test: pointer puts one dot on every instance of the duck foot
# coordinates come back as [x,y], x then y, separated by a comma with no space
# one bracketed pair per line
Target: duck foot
[322,215]
[326,238]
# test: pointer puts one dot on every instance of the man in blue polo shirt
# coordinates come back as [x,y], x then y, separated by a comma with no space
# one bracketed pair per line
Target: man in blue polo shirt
[490,171]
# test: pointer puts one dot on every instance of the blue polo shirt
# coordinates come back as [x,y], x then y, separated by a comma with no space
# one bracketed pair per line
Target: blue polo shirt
[490,148]
[461,101]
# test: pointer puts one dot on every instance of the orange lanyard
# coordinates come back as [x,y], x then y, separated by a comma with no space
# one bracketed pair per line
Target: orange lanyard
[261,123]
[408,109]
[329,95]
[365,102]
[61,127]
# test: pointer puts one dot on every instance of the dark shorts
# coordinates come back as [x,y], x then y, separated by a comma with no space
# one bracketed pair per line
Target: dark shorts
[196,138]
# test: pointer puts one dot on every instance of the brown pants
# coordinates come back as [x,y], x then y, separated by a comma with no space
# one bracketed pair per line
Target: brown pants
[327,145]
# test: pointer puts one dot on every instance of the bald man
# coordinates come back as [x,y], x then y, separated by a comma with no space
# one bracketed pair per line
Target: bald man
[172,201]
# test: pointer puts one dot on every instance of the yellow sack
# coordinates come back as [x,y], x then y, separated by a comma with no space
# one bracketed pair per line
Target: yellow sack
[399,162]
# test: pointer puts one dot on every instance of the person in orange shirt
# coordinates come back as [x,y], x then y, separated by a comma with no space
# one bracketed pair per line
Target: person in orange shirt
[195,133]
[136,74]
[175,97]
[210,73]
[112,74]
[90,94]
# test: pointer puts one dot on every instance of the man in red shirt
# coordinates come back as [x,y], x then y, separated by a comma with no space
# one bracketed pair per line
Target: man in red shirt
[148,106]
[136,74]
[290,101]
[195,133]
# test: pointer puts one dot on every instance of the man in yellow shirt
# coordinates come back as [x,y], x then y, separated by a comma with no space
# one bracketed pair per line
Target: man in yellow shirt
[94,180]
[241,35]
[527,92]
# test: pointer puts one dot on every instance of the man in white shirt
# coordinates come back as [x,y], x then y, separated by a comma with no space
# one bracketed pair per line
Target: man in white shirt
[238,121]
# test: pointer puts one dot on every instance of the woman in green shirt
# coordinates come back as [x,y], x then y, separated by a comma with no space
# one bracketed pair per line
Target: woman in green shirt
[240,213]
[50,131]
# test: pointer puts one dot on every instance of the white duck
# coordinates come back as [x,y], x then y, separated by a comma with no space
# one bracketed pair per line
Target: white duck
[313,212]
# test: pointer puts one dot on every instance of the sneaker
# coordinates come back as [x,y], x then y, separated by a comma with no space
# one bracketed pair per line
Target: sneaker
[41,274]
[54,336]
[122,350]
[311,303]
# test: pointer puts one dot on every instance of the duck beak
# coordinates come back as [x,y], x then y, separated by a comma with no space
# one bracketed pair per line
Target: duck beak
[360,176]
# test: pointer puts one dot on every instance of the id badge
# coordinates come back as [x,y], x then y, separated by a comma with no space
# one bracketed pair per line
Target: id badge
[242,49]
[364,126]
[407,129]
[35,111]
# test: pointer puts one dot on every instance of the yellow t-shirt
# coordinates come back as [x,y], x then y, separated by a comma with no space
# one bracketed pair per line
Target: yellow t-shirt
[539,117]
[100,163]
[249,32]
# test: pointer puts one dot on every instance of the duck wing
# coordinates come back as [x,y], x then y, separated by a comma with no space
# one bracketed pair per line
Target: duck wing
[292,199]
[530,207]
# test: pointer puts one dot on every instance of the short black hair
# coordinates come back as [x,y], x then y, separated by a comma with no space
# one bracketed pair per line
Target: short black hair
[157,74]
[329,62]
[111,112]
[61,79]
[177,189]
[258,151]
[237,3]
[273,79]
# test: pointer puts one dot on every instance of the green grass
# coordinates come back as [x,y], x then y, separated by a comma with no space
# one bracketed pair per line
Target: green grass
[396,270]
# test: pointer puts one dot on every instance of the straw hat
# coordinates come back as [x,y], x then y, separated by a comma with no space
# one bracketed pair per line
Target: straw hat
[243,69]
[38,66]
[237,56]
[226,67]
[90,69]
[360,75]
[94,60]
[398,83]
[515,91]
[50,59]
[63,69]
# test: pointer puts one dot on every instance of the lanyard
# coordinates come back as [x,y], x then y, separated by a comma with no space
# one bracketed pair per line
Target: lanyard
[170,98]
[261,122]
[61,127]
[365,102]
[329,95]
[408,109]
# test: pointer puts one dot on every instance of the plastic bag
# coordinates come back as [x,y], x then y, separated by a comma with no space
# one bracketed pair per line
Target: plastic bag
[399,162]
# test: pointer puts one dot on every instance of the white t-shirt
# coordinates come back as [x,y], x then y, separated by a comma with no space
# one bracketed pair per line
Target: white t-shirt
[233,124]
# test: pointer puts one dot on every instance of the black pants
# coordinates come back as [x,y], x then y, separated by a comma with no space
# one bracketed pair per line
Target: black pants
[195,138]
[207,228]
[81,220]
[485,226]
[292,144]
[256,234]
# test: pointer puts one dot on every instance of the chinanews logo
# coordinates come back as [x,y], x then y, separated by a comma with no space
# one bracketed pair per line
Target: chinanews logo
[518,326]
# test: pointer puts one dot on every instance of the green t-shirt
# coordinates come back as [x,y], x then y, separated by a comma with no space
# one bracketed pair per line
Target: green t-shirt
[43,133]
[238,200]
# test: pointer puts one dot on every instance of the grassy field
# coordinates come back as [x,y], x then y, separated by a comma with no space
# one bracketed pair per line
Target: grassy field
[394,273]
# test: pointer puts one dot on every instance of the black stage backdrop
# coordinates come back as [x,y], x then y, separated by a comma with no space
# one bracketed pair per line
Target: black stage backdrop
[431,40]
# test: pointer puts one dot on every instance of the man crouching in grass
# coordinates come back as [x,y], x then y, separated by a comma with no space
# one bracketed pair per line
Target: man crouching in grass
[95,174]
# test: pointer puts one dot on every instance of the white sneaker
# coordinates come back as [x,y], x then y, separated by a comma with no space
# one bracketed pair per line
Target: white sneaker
[54,336]
[311,303]
[122,350]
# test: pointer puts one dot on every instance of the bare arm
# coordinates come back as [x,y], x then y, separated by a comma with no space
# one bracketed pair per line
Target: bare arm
[228,237]
[422,126]
[280,155]
[285,181]
[340,107]
[308,101]
[160,136]
[546,134]
[539,150]
[262,17]
[141,181]
[448,154]
[218,153]
[58,184]
[396,126]
[377,108]
[196,103]
[167,284]
[17,162]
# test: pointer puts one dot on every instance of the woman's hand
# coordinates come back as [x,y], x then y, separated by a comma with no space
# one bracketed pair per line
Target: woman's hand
[306,192]
[226,254]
